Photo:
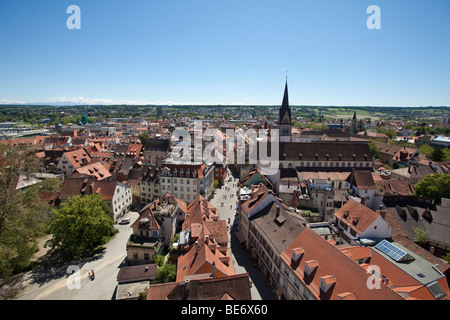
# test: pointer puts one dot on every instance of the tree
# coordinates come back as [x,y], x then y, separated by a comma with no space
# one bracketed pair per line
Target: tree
[144,137]
[437,155]
[426,149]
[21,213]
[436,187]
[166,273]
[420,235]
[360,125]
[374,150]
[390,133]
[447,257]
[81,226]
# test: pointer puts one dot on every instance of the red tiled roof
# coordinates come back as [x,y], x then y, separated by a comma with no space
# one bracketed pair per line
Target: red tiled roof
[350,278]
[357,216]
[96,170]
[235,287]
[75,157]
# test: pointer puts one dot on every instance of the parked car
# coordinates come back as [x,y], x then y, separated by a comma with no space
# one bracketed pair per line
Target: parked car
[125,221]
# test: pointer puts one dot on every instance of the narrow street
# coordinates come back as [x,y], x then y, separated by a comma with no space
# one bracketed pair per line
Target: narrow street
[242,263]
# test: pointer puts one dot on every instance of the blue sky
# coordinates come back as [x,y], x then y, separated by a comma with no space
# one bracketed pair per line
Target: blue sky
[226,52]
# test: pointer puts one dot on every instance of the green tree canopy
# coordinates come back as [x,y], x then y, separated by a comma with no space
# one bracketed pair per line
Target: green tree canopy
[374,150]
[426,149]
[22,217]
[81,225]
[420,235]
[437,155]
[144,137]
[436,187]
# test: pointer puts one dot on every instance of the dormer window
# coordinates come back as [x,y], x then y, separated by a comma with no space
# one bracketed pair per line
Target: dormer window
[296,255]
[326,282]
[310,266]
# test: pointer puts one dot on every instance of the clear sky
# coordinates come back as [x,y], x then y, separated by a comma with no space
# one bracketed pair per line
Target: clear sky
[226,52]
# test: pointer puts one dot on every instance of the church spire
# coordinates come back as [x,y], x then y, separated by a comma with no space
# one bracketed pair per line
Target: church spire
[284,120]
[285,110]
[285,103]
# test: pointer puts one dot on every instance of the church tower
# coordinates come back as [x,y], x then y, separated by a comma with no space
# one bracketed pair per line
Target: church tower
[353,127]
[284,119]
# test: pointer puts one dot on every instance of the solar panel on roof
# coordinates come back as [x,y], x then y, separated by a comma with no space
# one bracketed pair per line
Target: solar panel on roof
[391,250]
[436,290]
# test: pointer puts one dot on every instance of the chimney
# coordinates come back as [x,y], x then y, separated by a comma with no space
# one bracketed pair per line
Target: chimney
[196,247]
[363,200]
[213,272]
[277,212]
[383,214]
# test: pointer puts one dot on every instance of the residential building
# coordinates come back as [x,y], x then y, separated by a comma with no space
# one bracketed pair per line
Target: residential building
[134,280]
[404,156]
[271,230]
[150,186]
[365,273]
[146,241]
[412,174]
[155,151]
[72,160]
[387,151]
[117,196]
[256,177]
[362,185]
[260,197]
[187,180]
[316,194]
[356,221]
[96,170]
[204,243]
